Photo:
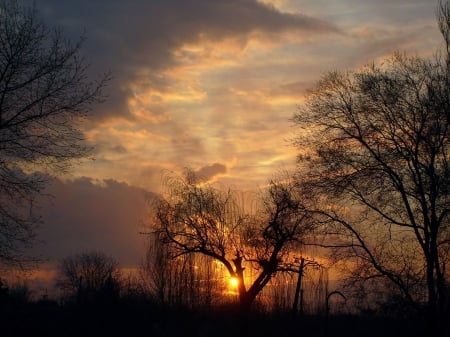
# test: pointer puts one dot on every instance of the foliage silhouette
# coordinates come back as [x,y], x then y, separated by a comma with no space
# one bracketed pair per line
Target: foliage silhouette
[88,278]
[195,218]
[379,141]
[45,94]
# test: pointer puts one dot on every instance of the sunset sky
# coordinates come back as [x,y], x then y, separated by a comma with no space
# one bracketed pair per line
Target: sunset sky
[205,84]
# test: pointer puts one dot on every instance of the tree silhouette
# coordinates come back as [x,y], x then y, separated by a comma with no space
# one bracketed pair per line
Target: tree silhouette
[379,158]
[196,218]
[185,281]
[89,277]
[44,95]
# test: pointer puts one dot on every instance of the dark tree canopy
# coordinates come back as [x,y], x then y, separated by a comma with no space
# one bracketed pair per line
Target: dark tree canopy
[196,218]
[379,151]
[88,277]
[45,94]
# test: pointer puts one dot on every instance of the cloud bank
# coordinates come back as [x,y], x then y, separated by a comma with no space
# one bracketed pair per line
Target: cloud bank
[198,82]
[205,84]
[86,215]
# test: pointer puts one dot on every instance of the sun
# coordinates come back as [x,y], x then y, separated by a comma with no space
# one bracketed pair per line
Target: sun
[234,281]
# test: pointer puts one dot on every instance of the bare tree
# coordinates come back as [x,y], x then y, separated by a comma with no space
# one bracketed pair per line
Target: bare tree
[157,269]
[378,156]
[44,95]
[89,277]
[195,218]
[187,280]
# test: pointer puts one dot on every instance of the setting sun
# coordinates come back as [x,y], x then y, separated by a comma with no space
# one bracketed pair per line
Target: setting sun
[234,282]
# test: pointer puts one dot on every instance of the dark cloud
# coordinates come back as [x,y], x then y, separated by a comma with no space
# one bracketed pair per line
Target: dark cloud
[208,172]
[86,215]
[128,36]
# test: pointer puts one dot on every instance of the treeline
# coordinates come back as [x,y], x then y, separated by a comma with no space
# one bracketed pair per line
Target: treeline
[134,312]
[187,296]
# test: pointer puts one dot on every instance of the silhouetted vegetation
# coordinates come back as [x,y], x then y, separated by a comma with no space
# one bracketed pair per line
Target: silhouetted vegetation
[376,157]
[371,201]
[197,219]
[142,315]
[45,94]
[89,278]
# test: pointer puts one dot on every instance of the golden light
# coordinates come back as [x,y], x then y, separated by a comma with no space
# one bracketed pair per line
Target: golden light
[234,282]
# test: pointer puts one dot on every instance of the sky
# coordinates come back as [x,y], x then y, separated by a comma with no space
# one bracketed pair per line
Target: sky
[205,84]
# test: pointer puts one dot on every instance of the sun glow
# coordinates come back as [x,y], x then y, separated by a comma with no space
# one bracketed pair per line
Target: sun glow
[234,282]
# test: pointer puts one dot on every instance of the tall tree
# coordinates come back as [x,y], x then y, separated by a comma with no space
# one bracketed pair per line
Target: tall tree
[376,144]
[195,218]
[44,95]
